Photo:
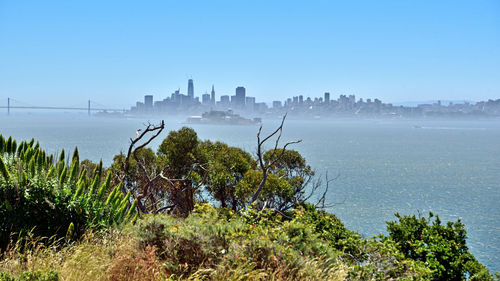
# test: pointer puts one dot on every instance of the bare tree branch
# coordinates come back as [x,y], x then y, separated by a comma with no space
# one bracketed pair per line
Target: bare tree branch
[272,160]
[132,150]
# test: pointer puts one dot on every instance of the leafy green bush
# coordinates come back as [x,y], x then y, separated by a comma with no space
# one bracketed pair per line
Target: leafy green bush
[312,246]
[441,247]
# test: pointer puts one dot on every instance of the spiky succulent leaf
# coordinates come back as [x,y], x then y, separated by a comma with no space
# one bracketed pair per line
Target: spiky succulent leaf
[83,175]
[76,156]
[2,144]
[8,145]
[131,211]
[32,166]
[13,147]
[3,169]
[111,196]
[99,169]
[61,156]
[94,186]
[73,173]
[20,149]
[104,188]
[50,173]
[79,190]
[62,177]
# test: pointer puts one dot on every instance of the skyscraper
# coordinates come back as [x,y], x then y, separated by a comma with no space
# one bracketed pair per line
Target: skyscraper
[205,99]
[212,98]
[327,97]
[148,102]
[240,96]
[190,89]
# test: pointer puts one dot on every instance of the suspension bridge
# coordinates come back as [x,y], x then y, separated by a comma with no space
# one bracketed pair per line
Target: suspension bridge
[90,106]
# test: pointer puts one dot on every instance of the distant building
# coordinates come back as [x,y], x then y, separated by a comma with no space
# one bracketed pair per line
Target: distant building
[212,95]
[260,107]
[190,89]
[327,97]
[276,104]
[224,100]
[148,103]
[250,103]
[239,98]
[205,99]
[140,106]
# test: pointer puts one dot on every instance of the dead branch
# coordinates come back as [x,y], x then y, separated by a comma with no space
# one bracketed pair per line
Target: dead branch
[132,150]
[321,203]
[273,159]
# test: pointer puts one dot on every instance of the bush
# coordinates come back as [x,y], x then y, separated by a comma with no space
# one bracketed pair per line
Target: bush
[45,199]
[441,247]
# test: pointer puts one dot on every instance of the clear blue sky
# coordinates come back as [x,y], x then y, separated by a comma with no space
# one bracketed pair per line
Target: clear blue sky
[114,52]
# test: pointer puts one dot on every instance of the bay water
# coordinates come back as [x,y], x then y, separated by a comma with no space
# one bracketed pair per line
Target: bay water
[380,166]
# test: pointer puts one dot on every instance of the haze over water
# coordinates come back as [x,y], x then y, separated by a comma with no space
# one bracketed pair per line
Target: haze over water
[449,167]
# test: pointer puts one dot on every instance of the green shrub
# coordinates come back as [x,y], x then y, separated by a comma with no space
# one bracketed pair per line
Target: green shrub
[441,247]
[36,199]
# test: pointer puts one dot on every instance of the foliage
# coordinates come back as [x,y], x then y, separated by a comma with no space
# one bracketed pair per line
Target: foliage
[185,167]
[441,247]
[227,166]
[220,244]
[45,205]
[211,237]
[37,197]
[137,182]
[277,191]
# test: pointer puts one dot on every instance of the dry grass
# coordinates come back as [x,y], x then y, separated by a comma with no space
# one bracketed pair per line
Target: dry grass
[110,256]
[122,255]
[246,272]
[118,256]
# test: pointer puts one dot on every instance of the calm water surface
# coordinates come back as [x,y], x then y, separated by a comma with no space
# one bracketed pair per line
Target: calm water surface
[451,168]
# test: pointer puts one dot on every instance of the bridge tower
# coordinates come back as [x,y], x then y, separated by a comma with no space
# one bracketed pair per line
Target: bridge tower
[8,106]
[89,108]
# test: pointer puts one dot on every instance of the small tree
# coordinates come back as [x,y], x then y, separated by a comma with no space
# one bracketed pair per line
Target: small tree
[441,247]
[226,167]
[184,168]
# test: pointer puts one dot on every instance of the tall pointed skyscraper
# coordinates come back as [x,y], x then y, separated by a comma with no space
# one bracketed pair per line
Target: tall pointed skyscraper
[190,89]
[212,95]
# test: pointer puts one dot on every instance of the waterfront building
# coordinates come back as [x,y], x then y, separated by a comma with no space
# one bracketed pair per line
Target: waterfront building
[327,97]
[276,104]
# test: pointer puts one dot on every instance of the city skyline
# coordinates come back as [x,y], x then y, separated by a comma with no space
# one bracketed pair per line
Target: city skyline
[304,106]
[57,52]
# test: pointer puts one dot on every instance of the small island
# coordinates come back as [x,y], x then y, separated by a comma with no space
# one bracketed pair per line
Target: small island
[228,117]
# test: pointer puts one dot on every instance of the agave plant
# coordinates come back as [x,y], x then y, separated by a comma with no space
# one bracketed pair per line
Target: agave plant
[36,192]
